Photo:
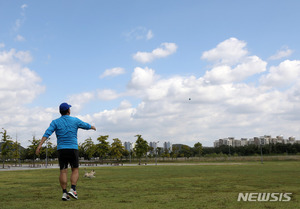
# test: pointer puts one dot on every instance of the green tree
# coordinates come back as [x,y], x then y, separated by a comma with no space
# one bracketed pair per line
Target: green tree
[51,149]
[185,151]
[159,151]
[198,148]
[16,151]
[151,150]
[103,147]
[47,150]
[116,149]
[141,147]
[88,148]
[32,148]
[6,145]
[133,155]
[174,153]
[126,153]
[165,154]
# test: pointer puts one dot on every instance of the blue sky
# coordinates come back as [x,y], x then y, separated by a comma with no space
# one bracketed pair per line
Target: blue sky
[129,67]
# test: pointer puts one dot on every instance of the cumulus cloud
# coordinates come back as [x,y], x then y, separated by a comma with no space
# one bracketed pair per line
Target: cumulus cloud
[187,109]
[281,54]
[12,56]
[165,50]
[286,73]
[79,100]
[113,72]
[232,63]
[107,94]
[228,52]
[225,74]
[142,78]
[218,104]
[19,86]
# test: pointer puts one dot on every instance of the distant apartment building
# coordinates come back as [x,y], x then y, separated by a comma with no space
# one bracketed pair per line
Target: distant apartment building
[244,141]
[251,141]
[292,140]
[216,143]
[225,141]
[168,146]
[154,146]
[236,143]
[262,140]
[128,146]
[230,141]
[256,140]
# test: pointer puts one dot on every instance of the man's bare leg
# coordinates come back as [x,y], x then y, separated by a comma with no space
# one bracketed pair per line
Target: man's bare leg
[74,179]
[74,176]
[63,178]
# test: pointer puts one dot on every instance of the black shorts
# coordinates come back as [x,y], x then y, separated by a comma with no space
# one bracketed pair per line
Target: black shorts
[66,156]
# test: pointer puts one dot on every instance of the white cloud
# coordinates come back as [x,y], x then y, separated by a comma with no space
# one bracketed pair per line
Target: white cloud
[13,56]
[159,108]
[286,73]
[228,52]
[19,38]
[165,50]
[225,74]
[17,24]
[107,94]
[2,45]
[20,21]
[125,104]
[19,86]
[232,63]
[113,72]
[139,33]
[79,100]
[281,54]
[141,78]
[221,103]
[149,35]
[24,6]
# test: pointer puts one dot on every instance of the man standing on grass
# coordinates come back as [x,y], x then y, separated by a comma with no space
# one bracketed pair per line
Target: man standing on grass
[66,128]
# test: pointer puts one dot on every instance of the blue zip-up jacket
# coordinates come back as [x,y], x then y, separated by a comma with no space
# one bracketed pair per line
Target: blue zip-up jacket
[66,128]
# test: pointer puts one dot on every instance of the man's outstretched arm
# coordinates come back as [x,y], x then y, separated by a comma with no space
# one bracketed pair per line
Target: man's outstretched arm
[37,152]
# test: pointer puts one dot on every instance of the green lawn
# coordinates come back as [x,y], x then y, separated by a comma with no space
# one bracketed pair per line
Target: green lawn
[171,186]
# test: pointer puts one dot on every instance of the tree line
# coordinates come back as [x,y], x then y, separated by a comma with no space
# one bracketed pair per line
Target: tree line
[252,149]
[102,150]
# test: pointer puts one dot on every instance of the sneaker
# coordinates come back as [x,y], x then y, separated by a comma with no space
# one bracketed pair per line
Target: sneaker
[65,197]
[73,193]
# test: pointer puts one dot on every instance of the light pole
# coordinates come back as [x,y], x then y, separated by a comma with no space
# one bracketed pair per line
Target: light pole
[261,154]
[156,152]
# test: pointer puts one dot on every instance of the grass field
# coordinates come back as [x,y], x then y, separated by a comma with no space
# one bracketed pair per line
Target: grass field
[169,186]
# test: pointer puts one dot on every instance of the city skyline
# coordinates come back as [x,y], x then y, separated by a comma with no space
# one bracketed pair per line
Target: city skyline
[262,140]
